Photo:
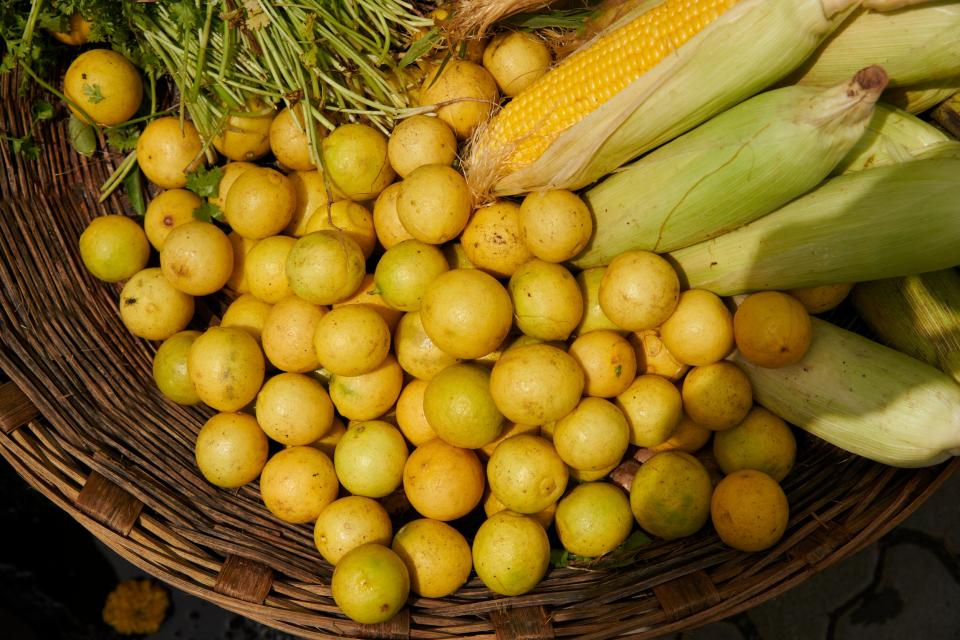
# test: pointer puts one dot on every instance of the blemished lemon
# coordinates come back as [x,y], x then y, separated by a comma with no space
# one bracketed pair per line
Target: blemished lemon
[241,247]
[226,366]
[466,312]
[594,318]
[287,334]
[416,352]
[593,436]
[410,416]
[351,340]
[197,258]
[546,300]
[526,473]
[368,295]
[114,248]
[608,361]
[670,495]
[105,84]
[434,203]
[823,298]
[355,159]
[717,396]
[700,330]
[772,329]
[437,556]
[294,409]
[370,458]
[459,408]
[763,441]
[167,150]
[468,93]
[653,407]
[749,510]
[369,395]
[152,308]
[442,481]
[536,384]
[230,172]
[370,583]
[511,553]
[492,240]
[556,225]
[593,519]
[420,140]
[266,268]
[260,203]
[168,210]
[516,59]
[405,271]
[248,313]
[349,522]
[386,221]
[231,450]
[246,137]
[298,483]
[639,290]
[349,218]
[325,267]
[170,368]
[653,356]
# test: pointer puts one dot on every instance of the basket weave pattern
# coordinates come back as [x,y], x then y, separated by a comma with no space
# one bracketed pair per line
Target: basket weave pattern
[82,422]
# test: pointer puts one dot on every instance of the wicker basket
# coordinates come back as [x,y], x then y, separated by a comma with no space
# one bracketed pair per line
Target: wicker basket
[117,457]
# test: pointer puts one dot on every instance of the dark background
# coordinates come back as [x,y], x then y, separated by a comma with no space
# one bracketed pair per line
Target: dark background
[55,577]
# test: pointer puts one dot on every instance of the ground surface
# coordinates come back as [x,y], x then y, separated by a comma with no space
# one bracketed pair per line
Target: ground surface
[54,577]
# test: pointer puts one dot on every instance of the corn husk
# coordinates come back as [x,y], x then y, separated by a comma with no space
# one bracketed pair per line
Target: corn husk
[880,223]
[865,398]
[921,97]
[749,47]
[915,45]
[947,115]
[917,314]
[733,169]
[893,136]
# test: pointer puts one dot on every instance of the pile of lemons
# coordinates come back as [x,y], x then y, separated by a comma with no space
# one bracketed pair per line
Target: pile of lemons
[386,335]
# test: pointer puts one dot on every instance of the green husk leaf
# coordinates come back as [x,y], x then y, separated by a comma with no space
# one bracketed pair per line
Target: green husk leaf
[880,223]
[731,170]
[865,398]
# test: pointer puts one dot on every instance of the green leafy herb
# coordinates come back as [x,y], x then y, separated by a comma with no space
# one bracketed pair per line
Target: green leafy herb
[420,47]
[92,91]
[123,138]
[561,19]
[25,147]
[205,182]
[42,110]
[208,212]
[83,137]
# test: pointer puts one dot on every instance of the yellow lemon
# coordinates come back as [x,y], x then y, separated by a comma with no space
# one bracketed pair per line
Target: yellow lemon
[511,553]
[231,450]
[750,511]
[526,473]
[437,557]
[442,481]
[348,523]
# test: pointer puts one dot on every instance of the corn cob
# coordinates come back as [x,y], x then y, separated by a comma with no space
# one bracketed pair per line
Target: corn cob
[881,223]
[651,76]
[731,170]
[918,315]
[919,98]
[915,45]
[865,398]
[895,136]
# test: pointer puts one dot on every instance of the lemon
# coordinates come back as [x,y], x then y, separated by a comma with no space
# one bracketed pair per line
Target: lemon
[416,352]
[772,329]
[229,174]
[511,553]
[459,408]
[311,197]
[369,296]
[420,140]
[762,442]
[556,224]
[152,308]
[368,395]
[492,505]
[608,361]
[593,519]
[546,300]
[639,290]
[823,298]
[434,203]
[231,450]
[509,430]
[593,436]
[114,248]
[245,137]
[700,330]
[349,522]
[351,340]
[298,483]
[170,368]
[466,312]
[442,481]
[536,384]
[105,84]
[467,91]
[670,495]
[370,583]
[653,357]
[410,416]
[226,367]
[294,409]
[594,317]
[197,258]
[688,436]
[653,408]
[492,239]
[717,396]
[370,458]
[241,247]
[167,211]
[288,332]
[349,218]
[386,221]
[265,268]
[167,150]
[325,267]
[248,313]
[289,139]
[526,473]
[437,556]
[355,159]
[749,510]
[406,270]
[260,203]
